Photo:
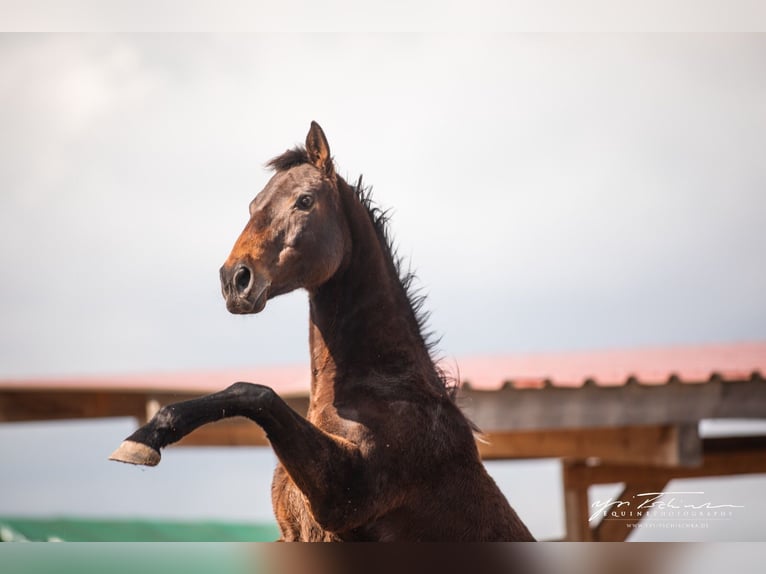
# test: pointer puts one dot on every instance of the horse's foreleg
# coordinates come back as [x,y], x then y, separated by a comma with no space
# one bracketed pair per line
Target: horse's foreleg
[328,469]
[175,421]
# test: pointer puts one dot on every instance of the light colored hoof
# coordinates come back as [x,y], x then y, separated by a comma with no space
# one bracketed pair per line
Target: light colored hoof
[136,453]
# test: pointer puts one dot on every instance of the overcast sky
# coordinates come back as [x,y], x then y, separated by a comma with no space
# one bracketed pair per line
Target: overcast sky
[552,191]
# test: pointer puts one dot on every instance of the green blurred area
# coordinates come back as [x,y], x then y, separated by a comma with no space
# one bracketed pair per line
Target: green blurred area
[115,558]
[142,554]
[88,530]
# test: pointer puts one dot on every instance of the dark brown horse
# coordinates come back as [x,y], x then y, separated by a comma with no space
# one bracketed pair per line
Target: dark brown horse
[384,453]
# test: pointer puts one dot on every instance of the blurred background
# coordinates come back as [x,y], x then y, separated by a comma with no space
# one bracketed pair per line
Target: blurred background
[553,192]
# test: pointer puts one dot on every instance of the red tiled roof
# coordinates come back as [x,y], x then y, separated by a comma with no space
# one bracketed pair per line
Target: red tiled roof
[648,366]
[293,379]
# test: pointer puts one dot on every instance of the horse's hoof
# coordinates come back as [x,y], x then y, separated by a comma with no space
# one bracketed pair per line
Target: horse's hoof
[136,453]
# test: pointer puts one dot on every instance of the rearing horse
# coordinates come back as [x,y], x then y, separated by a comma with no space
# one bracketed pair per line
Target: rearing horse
[384,453]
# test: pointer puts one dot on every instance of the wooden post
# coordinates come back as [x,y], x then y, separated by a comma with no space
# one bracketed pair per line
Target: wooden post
[576,506]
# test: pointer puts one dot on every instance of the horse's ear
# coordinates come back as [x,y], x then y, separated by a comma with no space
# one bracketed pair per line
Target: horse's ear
[319,150]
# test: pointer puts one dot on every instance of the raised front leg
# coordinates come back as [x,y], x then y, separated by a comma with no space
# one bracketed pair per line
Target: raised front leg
[173,422]
[328,469]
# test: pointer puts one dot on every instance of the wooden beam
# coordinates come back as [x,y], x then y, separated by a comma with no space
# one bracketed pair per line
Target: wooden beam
[721,457]
[631,404]
[229,432]
[17,406]
[502,410]
[663,445]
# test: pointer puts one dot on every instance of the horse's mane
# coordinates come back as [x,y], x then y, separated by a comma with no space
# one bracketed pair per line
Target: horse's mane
[403,270]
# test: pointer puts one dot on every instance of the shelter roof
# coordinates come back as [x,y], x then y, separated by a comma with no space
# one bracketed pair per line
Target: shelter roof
[650,366]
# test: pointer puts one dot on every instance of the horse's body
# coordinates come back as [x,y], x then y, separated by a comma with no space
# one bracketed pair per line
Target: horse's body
[384,453]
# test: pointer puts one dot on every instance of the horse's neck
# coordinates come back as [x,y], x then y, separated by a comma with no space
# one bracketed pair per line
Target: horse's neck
[361,319]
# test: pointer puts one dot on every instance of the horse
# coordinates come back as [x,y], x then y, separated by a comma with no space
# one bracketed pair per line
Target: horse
[384,452]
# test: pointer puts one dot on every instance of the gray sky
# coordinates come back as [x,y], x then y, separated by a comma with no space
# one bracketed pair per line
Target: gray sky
[553,192]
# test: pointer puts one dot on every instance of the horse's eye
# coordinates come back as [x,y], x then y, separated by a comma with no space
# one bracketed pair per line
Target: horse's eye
[304,201]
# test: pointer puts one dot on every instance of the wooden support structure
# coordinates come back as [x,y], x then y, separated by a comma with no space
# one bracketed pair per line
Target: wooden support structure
[638,435]
[229,432]
[661,445]
[720,457]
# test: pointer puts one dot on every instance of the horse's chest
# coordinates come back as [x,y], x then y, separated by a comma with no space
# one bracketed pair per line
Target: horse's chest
[292,512]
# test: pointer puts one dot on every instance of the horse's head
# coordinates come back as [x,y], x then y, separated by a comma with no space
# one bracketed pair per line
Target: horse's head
[296,235]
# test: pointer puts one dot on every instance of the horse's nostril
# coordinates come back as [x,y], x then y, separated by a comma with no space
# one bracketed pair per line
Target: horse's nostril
[242,280]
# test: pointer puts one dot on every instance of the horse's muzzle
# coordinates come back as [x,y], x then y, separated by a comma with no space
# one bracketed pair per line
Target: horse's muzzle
[244,290]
